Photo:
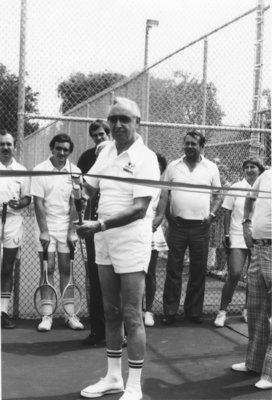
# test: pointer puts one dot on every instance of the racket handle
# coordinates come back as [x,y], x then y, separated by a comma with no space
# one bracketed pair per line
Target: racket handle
[72,252]
[4,212]
[45,254]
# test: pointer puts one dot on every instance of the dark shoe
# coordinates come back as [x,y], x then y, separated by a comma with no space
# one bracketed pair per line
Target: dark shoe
[168,319]
[6,321]
[93,339]
[195,320]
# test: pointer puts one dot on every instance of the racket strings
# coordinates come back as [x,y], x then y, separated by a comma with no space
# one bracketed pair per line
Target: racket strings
[71,300]
[45,300]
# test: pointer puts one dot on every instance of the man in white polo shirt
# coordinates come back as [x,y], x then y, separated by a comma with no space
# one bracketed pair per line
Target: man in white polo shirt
[123,235]
[14,191]
[189,217]
[259,239]
[54,229]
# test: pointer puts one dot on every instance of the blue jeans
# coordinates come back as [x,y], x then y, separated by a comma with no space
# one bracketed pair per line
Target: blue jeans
[182,234]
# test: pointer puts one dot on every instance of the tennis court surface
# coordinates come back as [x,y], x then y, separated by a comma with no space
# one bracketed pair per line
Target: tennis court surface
[183,362]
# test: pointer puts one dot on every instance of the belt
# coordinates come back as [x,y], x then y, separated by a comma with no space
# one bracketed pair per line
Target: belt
[183,221]
[262,242]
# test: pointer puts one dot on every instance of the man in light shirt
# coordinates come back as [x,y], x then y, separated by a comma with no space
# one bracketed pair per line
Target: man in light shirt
[14,191]
[189,216]
[54,229]
[123,235]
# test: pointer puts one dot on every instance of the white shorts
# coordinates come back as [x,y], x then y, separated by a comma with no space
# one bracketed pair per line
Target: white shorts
[127,248]
[13,231]
[58,241]
[237,242]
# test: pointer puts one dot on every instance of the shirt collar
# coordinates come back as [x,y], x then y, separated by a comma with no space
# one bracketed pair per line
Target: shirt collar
[203,159]
[13,165]
[67,167]
[134,151]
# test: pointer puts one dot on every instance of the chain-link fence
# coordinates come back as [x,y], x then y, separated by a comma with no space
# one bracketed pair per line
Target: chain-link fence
[207,82]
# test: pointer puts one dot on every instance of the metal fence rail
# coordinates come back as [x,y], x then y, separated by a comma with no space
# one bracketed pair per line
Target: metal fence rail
[206,84]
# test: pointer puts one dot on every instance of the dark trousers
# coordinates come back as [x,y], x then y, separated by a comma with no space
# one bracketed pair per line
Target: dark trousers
[195,236]
[150,281]
[96,308]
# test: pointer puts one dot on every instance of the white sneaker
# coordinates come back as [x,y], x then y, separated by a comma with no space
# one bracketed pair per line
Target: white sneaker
[74,323]
[220,319]
[149,319]
[131,394]
[240,367]
[102,387]
[46,324]
[244,315]
[263,384]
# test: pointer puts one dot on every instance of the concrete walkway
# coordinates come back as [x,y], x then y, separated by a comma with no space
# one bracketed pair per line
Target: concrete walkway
[183,362]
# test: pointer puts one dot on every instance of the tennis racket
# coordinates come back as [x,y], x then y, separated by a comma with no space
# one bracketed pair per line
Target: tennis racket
[45,296]
[71,296]
[3,220]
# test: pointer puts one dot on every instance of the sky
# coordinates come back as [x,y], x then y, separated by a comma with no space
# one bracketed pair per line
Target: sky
[67,36]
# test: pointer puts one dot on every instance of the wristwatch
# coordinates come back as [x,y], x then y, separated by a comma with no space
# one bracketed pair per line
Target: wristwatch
[102,225]
[245,220]
[213,214]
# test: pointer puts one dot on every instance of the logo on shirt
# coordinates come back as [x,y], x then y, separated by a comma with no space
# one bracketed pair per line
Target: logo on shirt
[129,167]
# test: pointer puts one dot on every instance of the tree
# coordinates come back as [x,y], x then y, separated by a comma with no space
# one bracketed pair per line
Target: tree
[79,87]
[180,100]
[9,103]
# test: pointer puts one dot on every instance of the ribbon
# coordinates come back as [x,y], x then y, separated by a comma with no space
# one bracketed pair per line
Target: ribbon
[143,182]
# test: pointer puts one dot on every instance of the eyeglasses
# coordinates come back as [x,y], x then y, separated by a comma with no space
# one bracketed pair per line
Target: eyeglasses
[64,149]
[124,119]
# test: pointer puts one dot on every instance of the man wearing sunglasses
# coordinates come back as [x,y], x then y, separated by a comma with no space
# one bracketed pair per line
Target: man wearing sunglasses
[54,230]
[123,236]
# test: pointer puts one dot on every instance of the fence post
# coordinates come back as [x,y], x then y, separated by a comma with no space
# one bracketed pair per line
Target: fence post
[204,83]
[21,85]
[20,140]
[254,149]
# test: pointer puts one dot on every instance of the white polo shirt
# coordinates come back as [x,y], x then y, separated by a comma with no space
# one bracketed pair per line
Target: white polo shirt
[187,204]
[56,191]
[236,206]
[137,162]
[262,223]
[13,187]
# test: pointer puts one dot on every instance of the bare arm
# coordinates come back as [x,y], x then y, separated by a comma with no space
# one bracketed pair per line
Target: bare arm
[248,213]
[161,208]
[227,216]
[216,203]
[130,214]
[21,203]
[41,219]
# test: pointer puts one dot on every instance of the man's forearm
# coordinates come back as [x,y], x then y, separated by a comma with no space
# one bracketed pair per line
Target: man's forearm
[41,217]
[131,214]
[248,208]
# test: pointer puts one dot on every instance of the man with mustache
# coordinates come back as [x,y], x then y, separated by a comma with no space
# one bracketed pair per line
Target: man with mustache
[189,216]
[14,191]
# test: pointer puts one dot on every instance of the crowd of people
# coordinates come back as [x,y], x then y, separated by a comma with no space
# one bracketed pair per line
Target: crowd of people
[122,230]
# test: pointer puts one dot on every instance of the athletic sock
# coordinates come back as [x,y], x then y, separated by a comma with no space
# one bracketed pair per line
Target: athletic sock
[114,365]
[47,307]
[134,375]
[69,305]
[5,298]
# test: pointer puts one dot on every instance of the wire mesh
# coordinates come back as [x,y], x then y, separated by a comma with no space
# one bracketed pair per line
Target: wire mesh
[173,90]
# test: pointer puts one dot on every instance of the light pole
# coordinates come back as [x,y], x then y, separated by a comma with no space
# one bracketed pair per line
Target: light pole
[149,24]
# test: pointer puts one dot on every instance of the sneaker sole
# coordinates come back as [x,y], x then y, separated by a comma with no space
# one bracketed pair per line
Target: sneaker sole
[100,394]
